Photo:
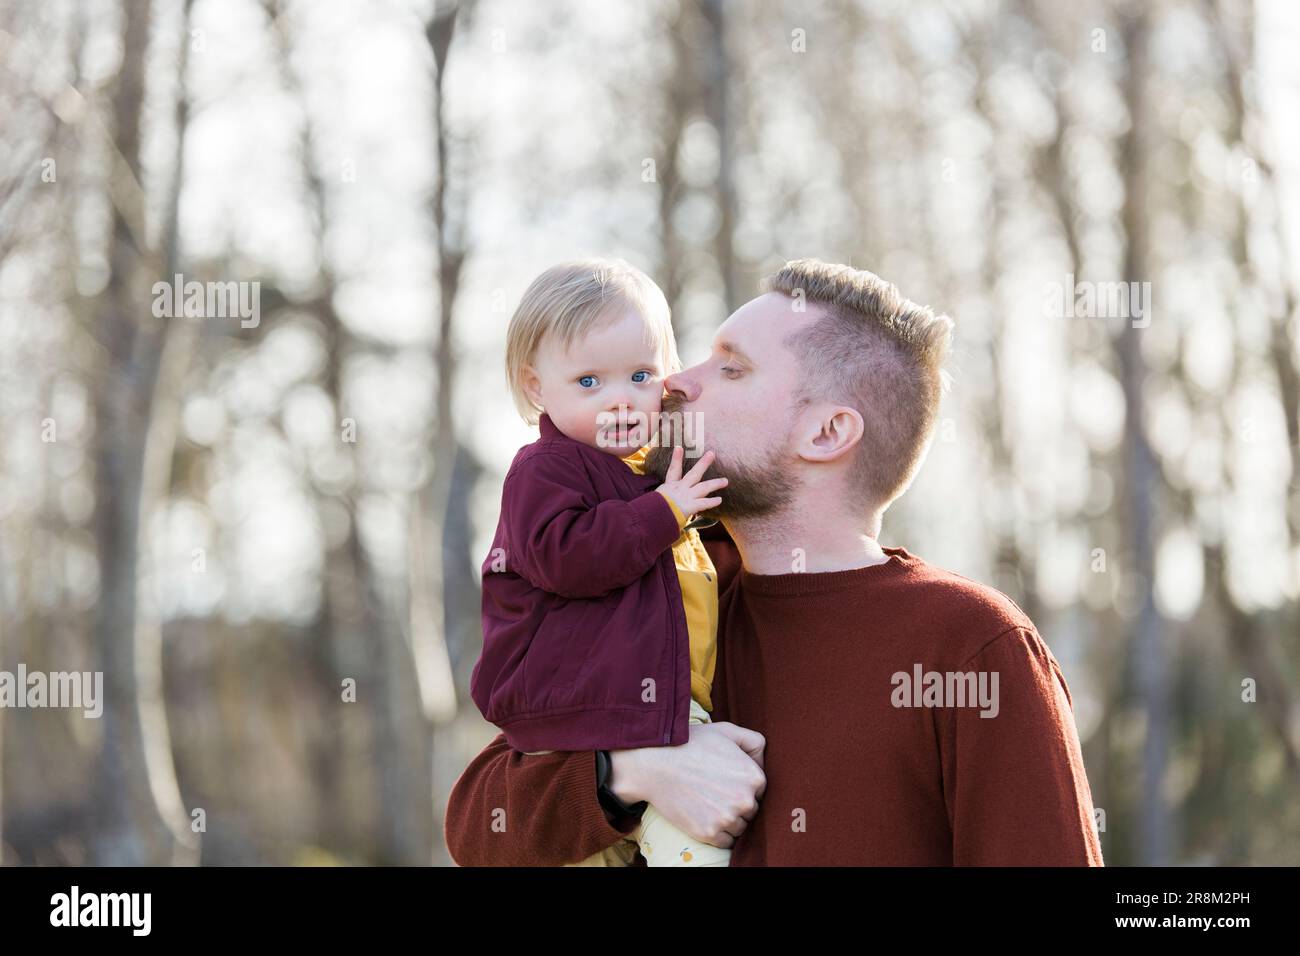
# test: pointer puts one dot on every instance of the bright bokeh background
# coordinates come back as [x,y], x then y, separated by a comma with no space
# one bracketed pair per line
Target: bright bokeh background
[198,525]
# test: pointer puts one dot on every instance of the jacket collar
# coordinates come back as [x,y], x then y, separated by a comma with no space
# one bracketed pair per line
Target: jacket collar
[547,426]
[548,430]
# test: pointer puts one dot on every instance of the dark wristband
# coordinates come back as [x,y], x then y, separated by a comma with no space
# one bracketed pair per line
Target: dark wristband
[611,803]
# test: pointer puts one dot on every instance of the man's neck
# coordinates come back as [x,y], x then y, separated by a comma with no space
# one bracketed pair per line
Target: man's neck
[791,541]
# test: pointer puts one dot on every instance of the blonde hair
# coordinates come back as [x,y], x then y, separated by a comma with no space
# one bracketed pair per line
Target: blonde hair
[878,353]
[573,298]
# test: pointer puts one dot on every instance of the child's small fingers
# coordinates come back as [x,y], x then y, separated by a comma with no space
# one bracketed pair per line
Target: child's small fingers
[710,502]
[675,465]
[701,466]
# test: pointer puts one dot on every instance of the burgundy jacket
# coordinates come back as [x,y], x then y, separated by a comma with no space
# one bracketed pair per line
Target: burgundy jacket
[585,642]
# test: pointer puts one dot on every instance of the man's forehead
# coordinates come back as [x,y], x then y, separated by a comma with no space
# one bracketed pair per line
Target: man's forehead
[762,323]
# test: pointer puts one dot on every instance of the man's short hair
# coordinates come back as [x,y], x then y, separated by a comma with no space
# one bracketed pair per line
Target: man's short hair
[878,353]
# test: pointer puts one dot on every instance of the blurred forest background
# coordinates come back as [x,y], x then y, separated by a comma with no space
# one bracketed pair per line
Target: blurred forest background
[233,520]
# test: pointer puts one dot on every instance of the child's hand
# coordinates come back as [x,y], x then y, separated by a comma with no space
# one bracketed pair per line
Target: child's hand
[688,492]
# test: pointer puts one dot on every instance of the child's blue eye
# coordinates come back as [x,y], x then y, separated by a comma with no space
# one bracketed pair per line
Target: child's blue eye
[642,372]
[586,378]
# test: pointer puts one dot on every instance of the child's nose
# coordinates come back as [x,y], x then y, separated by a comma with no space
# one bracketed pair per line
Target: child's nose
[617,402]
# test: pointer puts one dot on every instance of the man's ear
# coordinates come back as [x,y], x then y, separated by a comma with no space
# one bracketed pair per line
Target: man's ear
[836,432]
[531,383]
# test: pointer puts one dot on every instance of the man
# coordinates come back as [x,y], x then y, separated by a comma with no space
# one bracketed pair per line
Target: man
[869,708]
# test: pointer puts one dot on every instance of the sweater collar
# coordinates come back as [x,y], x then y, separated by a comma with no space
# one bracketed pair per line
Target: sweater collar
[804,583]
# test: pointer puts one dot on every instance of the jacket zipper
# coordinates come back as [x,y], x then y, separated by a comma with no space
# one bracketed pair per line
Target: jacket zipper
[672,710]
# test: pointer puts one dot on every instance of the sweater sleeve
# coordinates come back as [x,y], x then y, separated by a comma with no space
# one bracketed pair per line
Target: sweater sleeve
[563,540]
[1014,782]
[514,809]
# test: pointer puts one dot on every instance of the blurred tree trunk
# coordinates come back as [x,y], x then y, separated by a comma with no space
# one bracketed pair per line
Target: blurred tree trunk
[463,596]
[135,806]
[677,94]
[353,635]
[1014,572]
[4,662]
[855,136]
[1141,475]
[1261,659]
[717,94]
[698,82]
[27,632]
[179,338]
[429,622]
[1102,628]
[1237,38]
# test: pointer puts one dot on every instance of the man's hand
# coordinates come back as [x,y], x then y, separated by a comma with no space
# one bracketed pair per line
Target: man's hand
[688,492]
[709,787]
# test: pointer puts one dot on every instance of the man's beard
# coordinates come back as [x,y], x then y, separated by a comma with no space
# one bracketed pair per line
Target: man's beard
[753,489]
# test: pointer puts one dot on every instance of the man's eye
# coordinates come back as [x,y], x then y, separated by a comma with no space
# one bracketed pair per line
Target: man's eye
[644,373]
[585,379]
[727,371]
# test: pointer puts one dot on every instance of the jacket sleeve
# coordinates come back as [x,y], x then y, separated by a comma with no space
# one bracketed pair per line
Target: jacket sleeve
[1014,782]
[563,540]
[514,809]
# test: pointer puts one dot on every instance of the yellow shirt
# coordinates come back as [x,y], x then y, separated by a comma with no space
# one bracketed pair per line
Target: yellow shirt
[699,581]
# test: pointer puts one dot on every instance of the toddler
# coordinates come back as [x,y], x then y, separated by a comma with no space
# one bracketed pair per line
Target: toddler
[600,603]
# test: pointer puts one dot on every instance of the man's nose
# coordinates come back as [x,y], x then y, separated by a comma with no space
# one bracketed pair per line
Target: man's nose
[683,386]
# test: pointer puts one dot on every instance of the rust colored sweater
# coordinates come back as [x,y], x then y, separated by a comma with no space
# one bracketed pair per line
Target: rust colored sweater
[872,759]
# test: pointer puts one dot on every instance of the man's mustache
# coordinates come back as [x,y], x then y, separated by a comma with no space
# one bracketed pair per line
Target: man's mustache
[672,426]
[674,431]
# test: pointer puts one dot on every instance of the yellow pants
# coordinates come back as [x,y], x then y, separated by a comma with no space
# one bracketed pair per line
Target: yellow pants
[660,842]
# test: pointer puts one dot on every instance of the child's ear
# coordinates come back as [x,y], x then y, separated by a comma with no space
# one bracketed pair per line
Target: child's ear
[532,384]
